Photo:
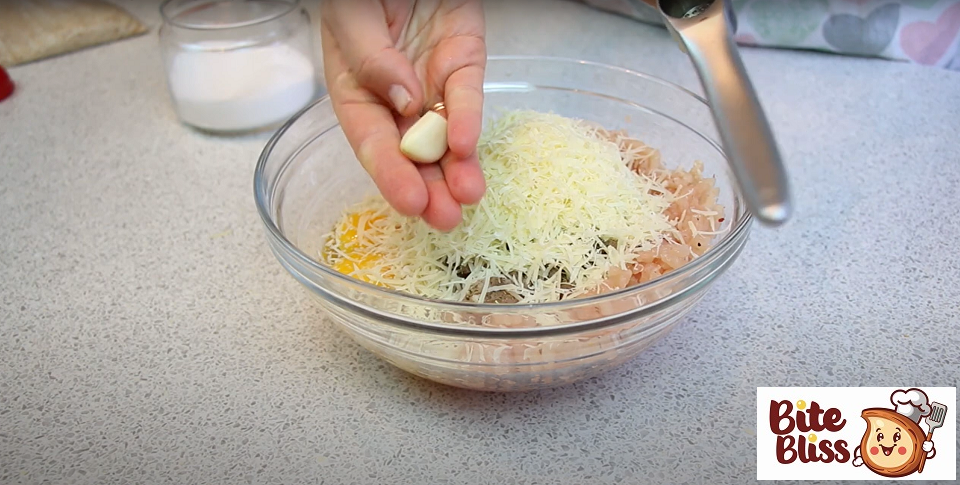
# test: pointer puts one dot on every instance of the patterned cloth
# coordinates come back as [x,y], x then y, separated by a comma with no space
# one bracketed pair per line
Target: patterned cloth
[920,31]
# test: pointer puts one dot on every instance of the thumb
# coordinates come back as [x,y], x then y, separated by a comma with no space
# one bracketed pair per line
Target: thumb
[362,34]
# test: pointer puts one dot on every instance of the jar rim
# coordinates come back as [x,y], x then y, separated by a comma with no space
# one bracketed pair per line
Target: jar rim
[171,17]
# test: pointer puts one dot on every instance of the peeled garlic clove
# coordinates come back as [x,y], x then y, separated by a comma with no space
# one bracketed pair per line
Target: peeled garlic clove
[426,140]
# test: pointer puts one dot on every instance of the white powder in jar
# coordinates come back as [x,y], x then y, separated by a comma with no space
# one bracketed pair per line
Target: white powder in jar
[240,89]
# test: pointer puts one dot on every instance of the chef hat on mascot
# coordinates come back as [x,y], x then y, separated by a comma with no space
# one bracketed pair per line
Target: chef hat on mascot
[912,403]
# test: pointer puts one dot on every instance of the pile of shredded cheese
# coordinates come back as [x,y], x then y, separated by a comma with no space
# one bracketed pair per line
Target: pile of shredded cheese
[562,209]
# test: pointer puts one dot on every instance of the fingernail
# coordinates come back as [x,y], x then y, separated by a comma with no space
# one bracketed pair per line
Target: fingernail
[399,97]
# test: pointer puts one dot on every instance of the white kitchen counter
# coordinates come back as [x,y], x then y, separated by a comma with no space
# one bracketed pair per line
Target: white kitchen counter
[148,336]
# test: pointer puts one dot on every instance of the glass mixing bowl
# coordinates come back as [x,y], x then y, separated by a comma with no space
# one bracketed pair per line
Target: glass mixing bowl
[307,175]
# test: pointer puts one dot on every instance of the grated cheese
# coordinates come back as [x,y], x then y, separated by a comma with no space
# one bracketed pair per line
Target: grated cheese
[558,193]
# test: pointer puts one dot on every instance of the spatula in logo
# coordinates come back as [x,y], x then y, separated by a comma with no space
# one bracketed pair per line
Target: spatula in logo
[938,414]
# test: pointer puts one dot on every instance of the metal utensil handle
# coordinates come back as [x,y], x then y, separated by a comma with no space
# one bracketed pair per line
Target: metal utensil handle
[739,117]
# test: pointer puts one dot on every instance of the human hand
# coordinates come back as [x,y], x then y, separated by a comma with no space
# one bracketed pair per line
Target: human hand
[927,446]
[387,60]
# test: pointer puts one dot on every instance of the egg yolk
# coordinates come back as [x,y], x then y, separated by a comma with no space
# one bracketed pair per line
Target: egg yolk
[349,228]
[358,257]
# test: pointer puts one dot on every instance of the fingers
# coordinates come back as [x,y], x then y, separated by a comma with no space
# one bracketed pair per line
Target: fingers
[361,31]
[464,104]
[450,183]
[457,69]
[367,76]
[442,211]
[396,177]
[372,131]
[463,98]
[464,178]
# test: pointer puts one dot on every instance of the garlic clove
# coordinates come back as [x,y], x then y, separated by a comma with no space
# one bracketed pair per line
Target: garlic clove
[426,140]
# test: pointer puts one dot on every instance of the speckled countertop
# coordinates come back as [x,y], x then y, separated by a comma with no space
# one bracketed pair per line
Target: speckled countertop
[148,336]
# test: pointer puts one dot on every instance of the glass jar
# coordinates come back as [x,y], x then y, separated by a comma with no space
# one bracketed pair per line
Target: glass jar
[237,65]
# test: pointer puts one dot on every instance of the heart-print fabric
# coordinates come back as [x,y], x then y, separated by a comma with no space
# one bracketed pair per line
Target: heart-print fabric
[920,31]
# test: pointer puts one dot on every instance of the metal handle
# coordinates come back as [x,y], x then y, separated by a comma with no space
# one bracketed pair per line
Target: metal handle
[744,131]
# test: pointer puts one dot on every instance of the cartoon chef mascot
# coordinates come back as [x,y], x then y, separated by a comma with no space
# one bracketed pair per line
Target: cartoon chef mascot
[894,445]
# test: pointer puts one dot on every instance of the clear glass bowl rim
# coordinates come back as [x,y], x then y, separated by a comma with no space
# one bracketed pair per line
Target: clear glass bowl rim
[723,246]
[291,6]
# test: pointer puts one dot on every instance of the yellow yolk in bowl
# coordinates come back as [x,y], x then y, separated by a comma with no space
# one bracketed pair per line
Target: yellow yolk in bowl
[354,243]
